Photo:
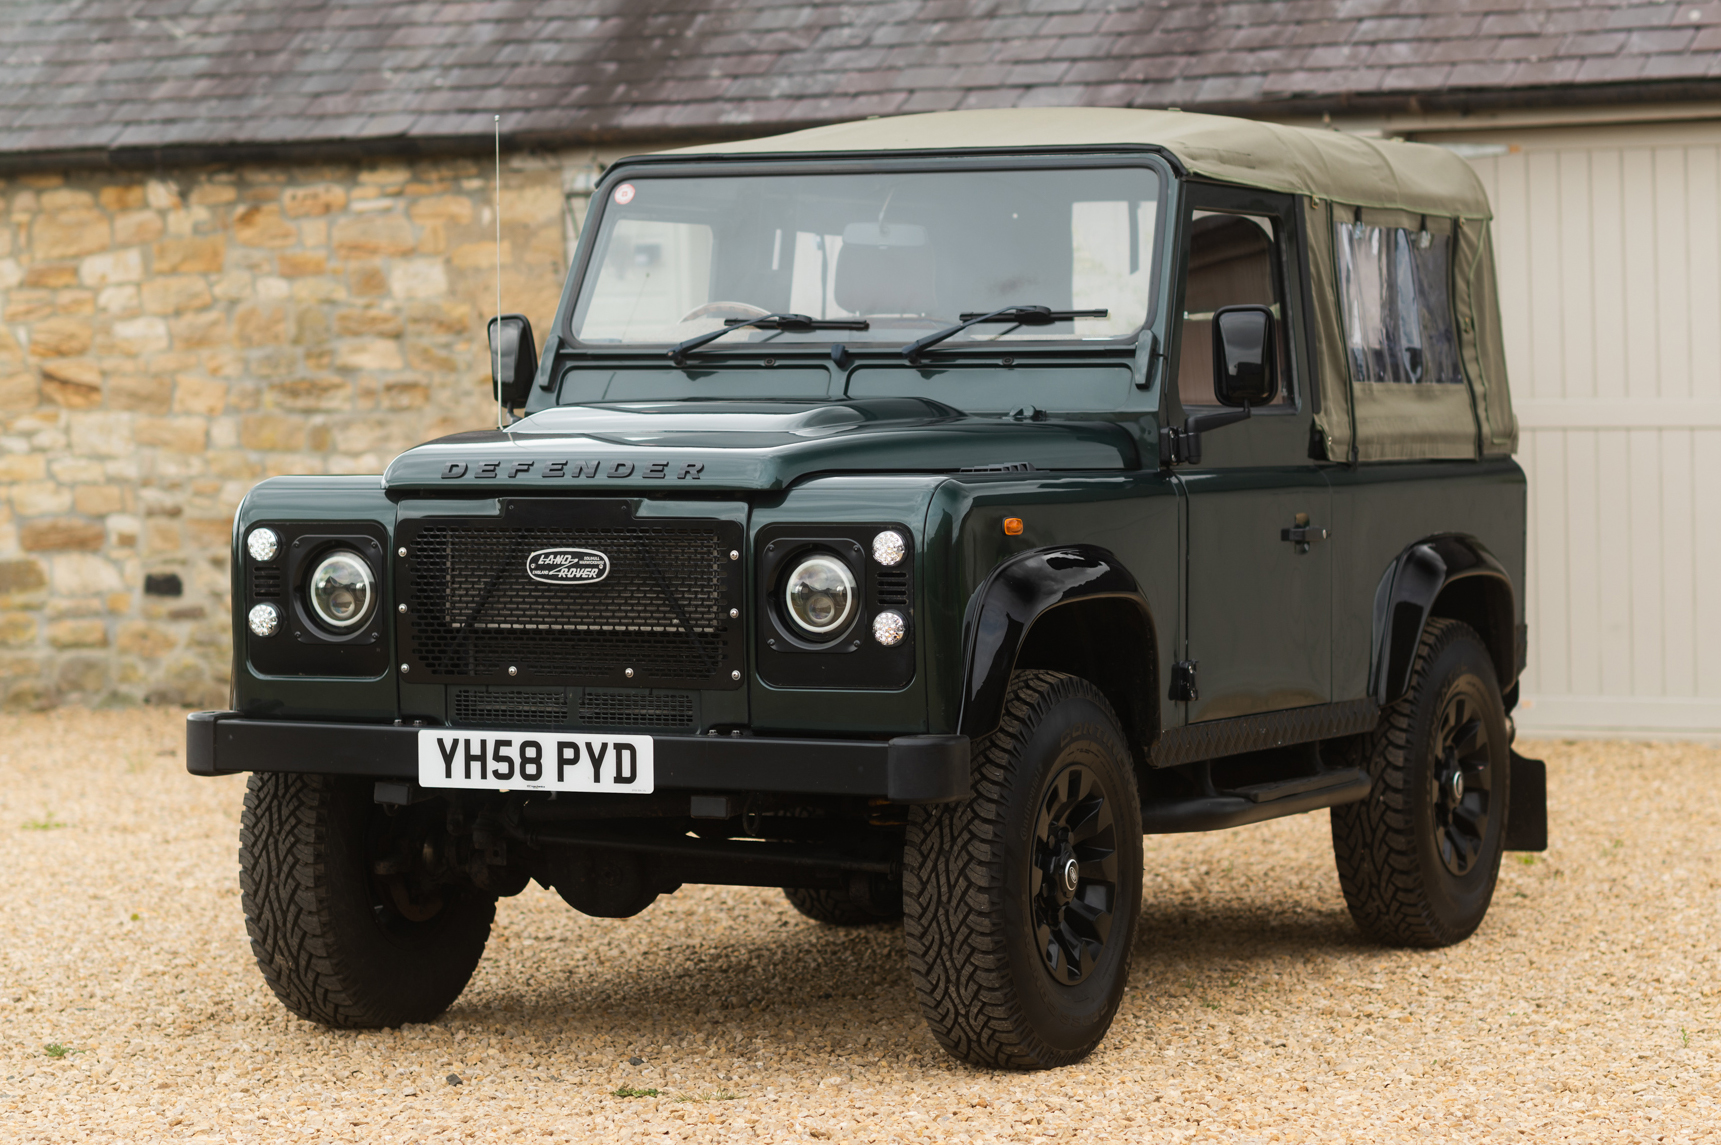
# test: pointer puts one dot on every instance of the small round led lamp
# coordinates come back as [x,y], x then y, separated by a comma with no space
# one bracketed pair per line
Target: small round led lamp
[888,628]
[1012,526]
[264,619]
[262,544]
[888,548]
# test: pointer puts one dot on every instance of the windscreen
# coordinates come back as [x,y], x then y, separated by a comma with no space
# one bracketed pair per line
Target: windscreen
[906,253]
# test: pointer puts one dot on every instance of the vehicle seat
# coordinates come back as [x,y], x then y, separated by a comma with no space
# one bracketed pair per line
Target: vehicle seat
[886,279]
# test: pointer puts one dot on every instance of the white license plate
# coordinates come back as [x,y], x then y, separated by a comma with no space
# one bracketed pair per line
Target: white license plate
[533,761]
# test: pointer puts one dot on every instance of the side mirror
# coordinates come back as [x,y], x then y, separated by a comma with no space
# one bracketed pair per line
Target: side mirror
[513,359]
[1244,372]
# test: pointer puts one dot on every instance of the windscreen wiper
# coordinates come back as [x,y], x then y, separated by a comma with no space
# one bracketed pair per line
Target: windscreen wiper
[796,323]
[1016,315]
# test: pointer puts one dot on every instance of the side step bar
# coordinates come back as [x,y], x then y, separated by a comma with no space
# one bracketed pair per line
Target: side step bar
[1255,803]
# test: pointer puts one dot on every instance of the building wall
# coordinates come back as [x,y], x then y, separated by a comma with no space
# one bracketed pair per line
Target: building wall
[166,342]
[1609,249]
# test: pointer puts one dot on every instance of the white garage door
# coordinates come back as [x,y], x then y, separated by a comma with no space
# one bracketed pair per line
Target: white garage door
[1609,248]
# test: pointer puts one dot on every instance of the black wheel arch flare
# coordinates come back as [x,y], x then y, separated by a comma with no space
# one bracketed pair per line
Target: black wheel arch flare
[1069,608]
[1451,575]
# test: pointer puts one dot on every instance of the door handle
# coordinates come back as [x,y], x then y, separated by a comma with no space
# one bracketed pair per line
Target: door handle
[1303,534]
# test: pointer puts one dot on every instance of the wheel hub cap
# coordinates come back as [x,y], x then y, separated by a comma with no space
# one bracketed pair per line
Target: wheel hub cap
[1462,780]
[1073,875]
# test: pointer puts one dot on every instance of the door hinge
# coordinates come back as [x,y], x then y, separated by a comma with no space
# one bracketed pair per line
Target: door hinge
[1183,689]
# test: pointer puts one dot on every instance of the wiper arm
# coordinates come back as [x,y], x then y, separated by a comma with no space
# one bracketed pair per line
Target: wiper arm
[798,323]
[1015,315]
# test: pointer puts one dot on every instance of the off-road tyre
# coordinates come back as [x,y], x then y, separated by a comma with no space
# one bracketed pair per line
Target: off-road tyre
[1399,887]
[327,942]
[973,899]
[837,908]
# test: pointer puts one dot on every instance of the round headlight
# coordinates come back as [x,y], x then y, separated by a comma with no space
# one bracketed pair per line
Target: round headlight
[888,548]
[888,628]
[263,544]
[820,595]
[264,620]
[342,590]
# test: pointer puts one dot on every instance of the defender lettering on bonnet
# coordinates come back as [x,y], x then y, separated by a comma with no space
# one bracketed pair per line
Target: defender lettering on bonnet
[657,470]
[568,566]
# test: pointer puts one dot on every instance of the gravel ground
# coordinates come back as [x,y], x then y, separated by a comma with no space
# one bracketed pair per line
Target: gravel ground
[1585,1008]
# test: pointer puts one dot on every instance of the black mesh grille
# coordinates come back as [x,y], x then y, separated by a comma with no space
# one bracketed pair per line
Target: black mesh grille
[602,708]
[544,708]
[662,610]
[265,583]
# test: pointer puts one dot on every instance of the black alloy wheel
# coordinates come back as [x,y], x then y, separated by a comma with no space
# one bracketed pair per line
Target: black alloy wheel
[1460,796]
[1419,858]
[1020,902]
[1073,877]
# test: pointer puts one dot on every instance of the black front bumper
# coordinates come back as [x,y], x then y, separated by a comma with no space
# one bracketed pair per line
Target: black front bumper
[907,769]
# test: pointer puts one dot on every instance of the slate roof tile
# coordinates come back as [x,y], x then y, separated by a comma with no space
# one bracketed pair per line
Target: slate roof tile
[1610,69]
[1529,73]
[159,73]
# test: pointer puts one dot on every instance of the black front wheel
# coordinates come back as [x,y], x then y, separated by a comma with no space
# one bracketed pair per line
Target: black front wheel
[1419,858]
[1021,901]
[346,924]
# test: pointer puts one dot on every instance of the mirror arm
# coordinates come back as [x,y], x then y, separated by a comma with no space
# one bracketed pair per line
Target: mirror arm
[1183,446]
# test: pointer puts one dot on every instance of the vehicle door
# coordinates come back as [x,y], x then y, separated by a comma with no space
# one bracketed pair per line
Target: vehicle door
[1258,605]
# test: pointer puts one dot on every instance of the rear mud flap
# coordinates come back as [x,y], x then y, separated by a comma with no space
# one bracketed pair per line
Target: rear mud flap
[1527,814]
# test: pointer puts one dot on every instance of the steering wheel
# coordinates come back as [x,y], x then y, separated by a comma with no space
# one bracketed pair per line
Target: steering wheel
[724,310]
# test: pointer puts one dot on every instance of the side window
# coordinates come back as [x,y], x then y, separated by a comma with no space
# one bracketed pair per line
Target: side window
[1393,290]
[1233,261]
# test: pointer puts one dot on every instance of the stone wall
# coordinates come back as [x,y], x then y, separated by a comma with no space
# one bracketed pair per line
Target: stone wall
[166,342]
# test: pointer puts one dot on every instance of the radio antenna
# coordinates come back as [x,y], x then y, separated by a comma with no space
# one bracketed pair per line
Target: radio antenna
[500,381]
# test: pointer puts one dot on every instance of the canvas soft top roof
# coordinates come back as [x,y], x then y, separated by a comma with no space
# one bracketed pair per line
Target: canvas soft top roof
[1328,165]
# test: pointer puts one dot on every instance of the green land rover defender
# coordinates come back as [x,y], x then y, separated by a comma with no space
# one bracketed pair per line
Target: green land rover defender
[911,514]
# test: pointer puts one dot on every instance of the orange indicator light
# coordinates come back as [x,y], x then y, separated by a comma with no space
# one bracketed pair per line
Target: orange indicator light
[1012,526]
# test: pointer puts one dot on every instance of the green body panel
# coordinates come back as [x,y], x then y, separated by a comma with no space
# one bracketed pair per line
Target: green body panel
[1379,509]
[330,499]
[1136,516]
[747,445]
[1250,590]
[836,501]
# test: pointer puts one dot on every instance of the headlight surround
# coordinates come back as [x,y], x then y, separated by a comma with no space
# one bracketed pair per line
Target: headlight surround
[821,595]
[341,590]
[263,620]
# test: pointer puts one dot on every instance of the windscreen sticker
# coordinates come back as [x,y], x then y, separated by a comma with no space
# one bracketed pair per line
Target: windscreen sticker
[624,194]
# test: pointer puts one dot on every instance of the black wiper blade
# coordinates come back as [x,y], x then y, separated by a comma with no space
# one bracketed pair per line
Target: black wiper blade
[1015,315]
[799,323]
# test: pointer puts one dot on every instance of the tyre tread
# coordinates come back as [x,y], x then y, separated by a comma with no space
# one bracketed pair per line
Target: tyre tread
[1374,842]
[285,889]
[834,907]
[953,879]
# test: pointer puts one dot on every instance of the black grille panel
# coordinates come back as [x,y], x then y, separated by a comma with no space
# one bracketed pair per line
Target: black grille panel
[265,583]
[662,610]
[893,587]
[603,708]
[521,708]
